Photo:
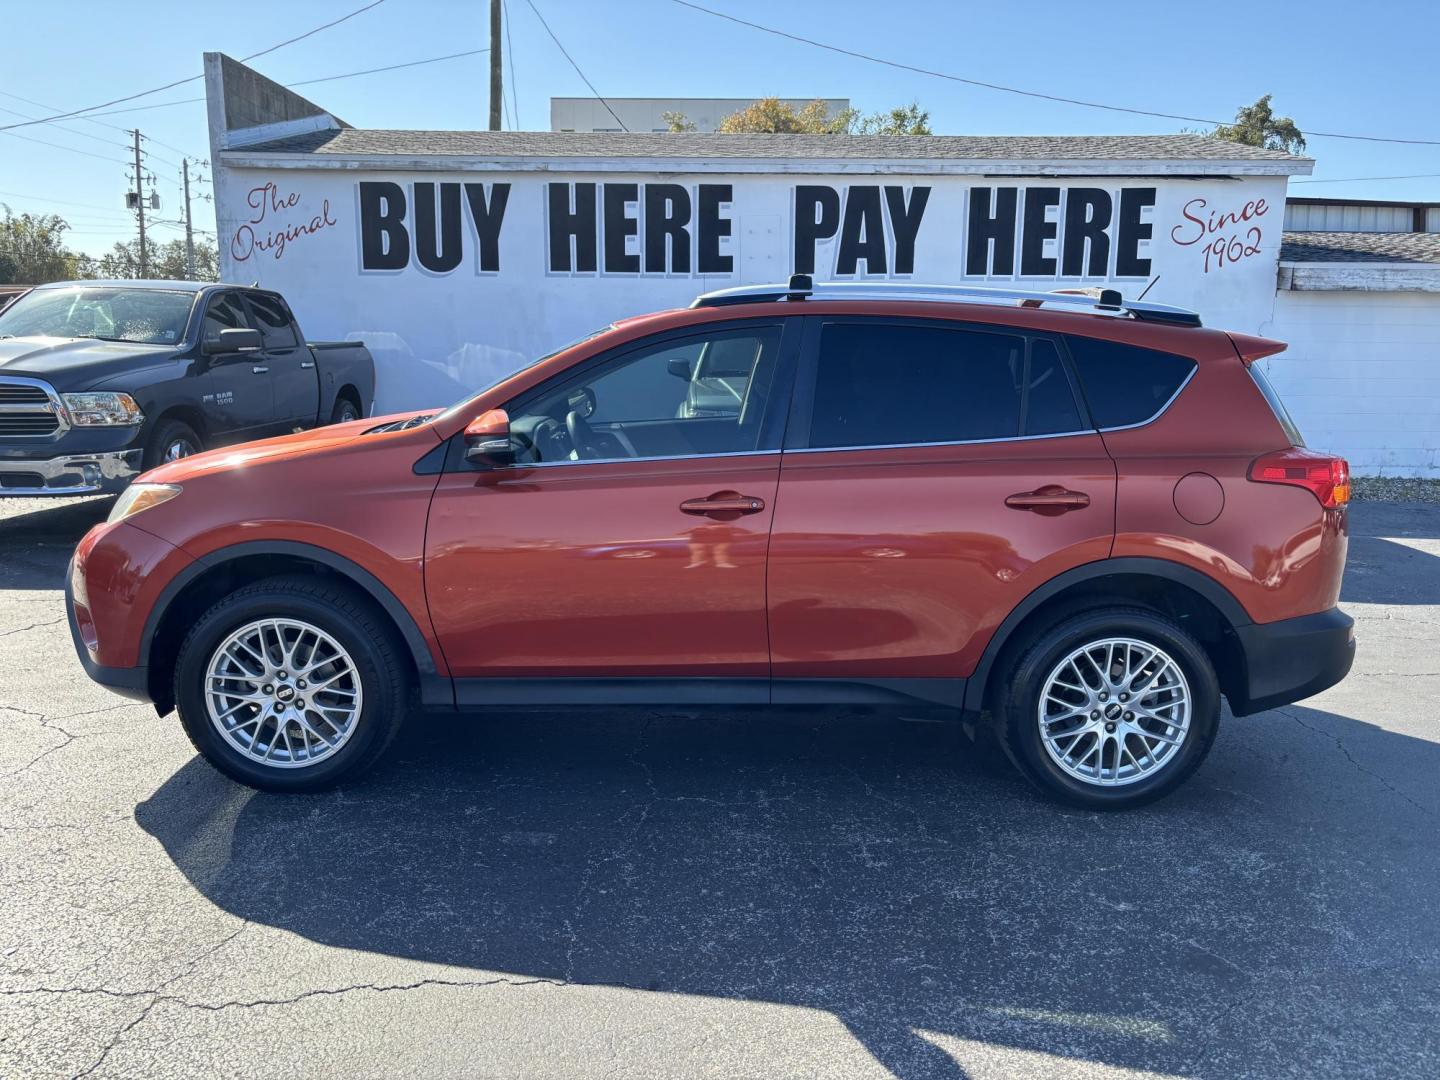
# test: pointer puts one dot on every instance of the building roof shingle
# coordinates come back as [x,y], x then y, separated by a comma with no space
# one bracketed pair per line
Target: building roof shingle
[1341,247]
[563,144]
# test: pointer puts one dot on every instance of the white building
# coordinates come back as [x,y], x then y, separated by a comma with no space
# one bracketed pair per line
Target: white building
[458,256]
[648,114]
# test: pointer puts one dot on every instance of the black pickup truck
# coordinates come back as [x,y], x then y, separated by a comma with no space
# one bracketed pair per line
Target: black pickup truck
[101,380]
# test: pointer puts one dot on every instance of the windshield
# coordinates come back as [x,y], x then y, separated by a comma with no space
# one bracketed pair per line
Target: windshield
[461,405]
[147,316]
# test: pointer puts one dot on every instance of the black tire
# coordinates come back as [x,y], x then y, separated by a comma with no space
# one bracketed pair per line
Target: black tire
[1018,703]
[344,614]
[170,434]
[344,411]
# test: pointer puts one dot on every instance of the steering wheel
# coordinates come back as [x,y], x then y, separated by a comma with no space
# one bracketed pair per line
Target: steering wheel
[582,435]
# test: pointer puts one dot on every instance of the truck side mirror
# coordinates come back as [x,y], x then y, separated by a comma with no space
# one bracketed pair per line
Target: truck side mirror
[487,439]
[234,340]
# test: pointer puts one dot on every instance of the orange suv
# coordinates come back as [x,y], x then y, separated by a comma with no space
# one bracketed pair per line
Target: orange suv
[1079,520]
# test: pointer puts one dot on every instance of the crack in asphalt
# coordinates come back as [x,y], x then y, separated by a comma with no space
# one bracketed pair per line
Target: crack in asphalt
[32,626]
[1377,777]
[51,723]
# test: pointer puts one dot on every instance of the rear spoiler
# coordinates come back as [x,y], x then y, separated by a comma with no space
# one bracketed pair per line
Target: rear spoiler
[1251,348]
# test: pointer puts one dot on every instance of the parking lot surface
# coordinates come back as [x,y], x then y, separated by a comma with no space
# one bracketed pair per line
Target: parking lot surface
[774,894]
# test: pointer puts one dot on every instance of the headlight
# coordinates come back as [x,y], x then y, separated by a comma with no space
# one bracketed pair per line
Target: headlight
[103,409]
[138,497]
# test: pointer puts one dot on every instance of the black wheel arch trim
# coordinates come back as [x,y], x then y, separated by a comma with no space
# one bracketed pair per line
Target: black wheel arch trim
[1223,600]
[435,689]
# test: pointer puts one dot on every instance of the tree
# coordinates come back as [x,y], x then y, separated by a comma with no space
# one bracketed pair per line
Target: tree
[677,123]
[33,251]
[1257,125]
[901,120]
[166,261]
[771,116]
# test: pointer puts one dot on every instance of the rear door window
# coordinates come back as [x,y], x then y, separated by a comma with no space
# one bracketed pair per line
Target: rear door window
[1126,385]
[892,384]
[273,321]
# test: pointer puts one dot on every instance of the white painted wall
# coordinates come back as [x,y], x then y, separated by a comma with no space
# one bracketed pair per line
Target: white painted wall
[439,336]
[1362,376]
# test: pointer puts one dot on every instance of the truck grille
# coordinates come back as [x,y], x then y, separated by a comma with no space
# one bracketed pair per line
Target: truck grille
[27,409]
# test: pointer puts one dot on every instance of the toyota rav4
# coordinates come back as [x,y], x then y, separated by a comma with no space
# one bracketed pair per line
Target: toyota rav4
[1077,520]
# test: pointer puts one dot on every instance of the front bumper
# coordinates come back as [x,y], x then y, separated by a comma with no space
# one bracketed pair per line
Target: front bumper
[73,474]
[1292,659]
[130,682]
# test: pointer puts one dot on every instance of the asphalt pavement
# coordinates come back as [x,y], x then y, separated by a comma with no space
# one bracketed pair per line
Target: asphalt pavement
[676,894]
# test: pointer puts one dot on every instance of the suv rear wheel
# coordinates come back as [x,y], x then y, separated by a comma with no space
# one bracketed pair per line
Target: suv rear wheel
[291,684]
[1110,708]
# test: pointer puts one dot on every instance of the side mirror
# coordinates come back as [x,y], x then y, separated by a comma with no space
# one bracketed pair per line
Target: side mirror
[487,439]
[679,367]
[235,340]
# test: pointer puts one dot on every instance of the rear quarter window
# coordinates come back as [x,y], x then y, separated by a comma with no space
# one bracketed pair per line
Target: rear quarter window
[1125,384]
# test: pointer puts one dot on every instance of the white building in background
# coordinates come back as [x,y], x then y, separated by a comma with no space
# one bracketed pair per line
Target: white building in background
[648,114]
[1358,299]
[458,256]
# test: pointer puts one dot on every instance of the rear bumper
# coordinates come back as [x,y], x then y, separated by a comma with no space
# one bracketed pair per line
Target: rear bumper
[1292,659]
[72,474]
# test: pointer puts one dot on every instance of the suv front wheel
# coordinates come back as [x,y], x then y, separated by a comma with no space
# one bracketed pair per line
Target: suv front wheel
[291,684]
[1110,708]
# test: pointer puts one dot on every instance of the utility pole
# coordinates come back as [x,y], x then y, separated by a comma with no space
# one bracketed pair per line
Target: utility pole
[497,85]
[140,205]
[189,231]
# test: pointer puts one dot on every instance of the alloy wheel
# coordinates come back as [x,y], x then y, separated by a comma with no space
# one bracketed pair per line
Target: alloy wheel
[1114,711]
[283,692]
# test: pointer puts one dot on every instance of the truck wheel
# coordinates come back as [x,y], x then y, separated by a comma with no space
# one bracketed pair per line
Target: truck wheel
[345,410]
[171,441]
[291,684]
[1110,709]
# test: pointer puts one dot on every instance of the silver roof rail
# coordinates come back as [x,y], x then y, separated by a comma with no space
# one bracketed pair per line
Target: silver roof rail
[1094,301]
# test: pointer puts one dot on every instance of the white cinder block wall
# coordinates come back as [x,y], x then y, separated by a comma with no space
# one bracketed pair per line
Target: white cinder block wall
[1362,376]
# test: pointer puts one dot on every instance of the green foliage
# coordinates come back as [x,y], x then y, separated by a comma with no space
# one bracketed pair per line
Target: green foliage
[167,260]
[677,123]
[901,120]
[33,251]
[771,116]
[1257,125]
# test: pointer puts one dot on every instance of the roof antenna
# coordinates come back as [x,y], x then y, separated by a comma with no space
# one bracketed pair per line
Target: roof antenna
[1148,287]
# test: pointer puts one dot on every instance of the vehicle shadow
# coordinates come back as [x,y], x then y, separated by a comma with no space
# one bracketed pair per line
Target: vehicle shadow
[37,538]
[1393,557]
[880,870]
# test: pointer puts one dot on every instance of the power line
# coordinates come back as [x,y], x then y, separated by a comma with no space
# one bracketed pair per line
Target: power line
[62,146]
[68,130]
[1357,179]
[510,56]
[63,202]
[595,93]
[306,82]
[1012,89]
[392,67]
[193,78]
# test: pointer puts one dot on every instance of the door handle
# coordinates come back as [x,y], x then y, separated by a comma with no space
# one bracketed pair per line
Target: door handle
[307,363]
[1049,500]
[259,369]
[724,502]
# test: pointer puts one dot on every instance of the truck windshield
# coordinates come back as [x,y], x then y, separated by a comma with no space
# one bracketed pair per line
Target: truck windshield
[147,316]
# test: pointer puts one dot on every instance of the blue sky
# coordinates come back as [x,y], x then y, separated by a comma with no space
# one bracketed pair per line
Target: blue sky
[1366,69]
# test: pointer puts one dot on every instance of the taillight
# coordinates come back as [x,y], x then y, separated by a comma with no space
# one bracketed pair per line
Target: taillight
[1327,478]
